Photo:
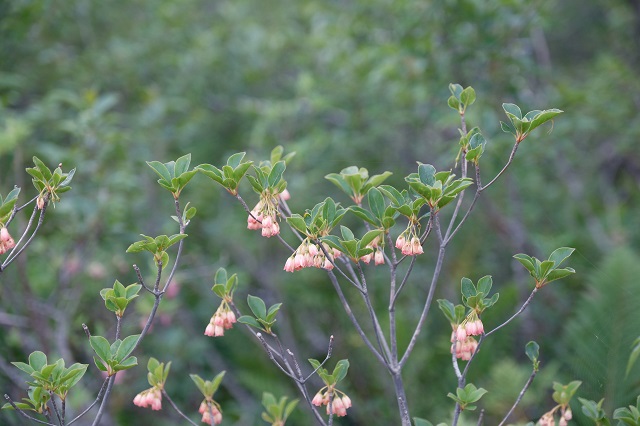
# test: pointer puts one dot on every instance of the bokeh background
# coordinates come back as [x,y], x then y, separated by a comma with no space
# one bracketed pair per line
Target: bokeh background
[105,86]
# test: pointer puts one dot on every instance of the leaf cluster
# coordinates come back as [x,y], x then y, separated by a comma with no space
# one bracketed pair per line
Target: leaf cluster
[437,188]
[54,183]
[117,299]
[157,372]
[114,357]
[318,221]
[156,246]
[263,319]
[355,182]
[224,286]
[339,371]
[353,247]
[208,387]
[231,173]
[7,204]
[174,175]
[520,127]
[47,379]
[543,272]
[277,411]
[467,396]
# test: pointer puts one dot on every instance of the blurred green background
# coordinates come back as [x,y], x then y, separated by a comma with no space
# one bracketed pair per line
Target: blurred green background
[105,86]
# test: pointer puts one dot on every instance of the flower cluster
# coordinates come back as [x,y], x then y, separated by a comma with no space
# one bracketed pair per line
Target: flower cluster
[465,345]
[309,255]
[377,254]
[464,349]
[409,242]
[211,413]
[549,420]
[150,398]
[265,214]
[339,404]
[6,242]
[222,320]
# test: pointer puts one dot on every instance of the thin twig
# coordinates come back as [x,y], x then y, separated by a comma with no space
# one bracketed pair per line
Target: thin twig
[354,320]
[382,342]
[427,305]
[272,358]
[520,396]
[22,413]
[175,407]
[98,398]
[509,161]
[55,408]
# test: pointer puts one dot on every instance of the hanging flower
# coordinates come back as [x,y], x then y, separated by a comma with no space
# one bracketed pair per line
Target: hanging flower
[6,241]
[150,398]
[222,320]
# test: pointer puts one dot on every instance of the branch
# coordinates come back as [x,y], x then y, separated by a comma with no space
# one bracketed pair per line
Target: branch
[427,305]
[22,413]
[356,324]
[175,407]
[520,396]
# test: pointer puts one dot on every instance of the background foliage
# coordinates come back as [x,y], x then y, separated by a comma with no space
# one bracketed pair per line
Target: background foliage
[104,87]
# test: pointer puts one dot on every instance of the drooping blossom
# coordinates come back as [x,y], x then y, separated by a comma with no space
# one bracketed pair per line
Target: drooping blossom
[6,241]
[310,255]
[377,255]
[409,242]
[150,398]
[464,348]
[339,402]
[222,320]
[264,215]
[209,409]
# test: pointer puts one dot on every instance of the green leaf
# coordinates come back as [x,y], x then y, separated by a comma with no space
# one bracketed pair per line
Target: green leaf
[126,347]
[544,116]
[128,363]
[182,164]
[426,173]
[532,349]
[557,274]
[37,359]
[376,202]
[273,311]
[160,169]
[448,309]
[468,96]
[101,346]
[347,234]
[24,367]
[340,370]
[421,422]
[249,320]
[314,363]
[375,180]
[512,109]
[43,168]
[257,306]
[559,255]
[297,222]
[152,364]
[99,364]
[216,381]
[276,173]
[370,236]
[484,284]
[453,103]
[199,383]
[635,352]
[527,262]
[467,288]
